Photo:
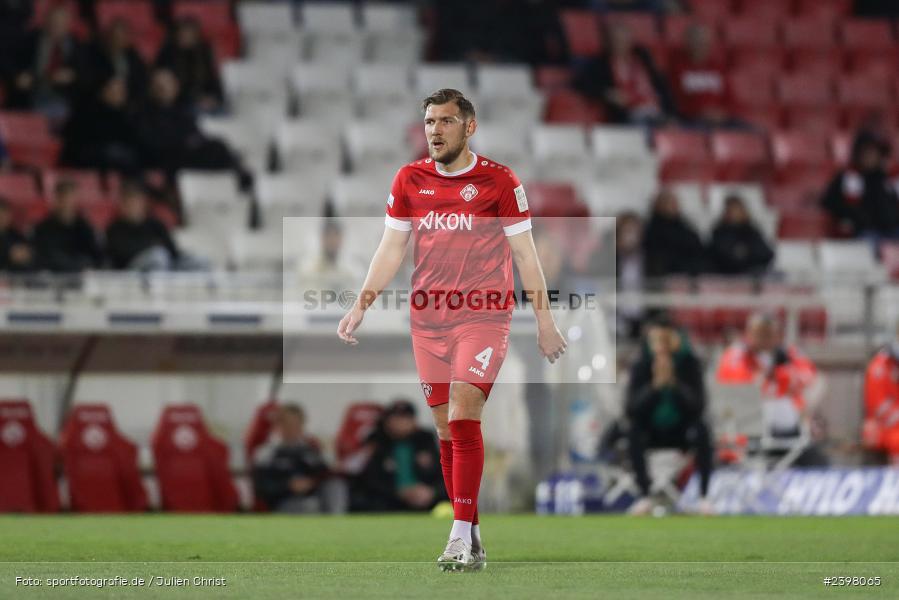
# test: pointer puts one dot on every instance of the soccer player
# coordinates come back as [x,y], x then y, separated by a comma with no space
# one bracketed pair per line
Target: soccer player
[469,216]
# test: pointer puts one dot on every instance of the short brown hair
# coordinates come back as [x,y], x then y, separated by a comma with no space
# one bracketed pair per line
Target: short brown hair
[442,96]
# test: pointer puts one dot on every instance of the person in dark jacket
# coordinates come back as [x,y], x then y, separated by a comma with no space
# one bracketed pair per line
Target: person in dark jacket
[861,198]
[665,402]
[671,245]
[403,470]
[625,79]
[114,56]
[189,56]
[290,474]
[136,239]
[103,133]
[46,71]
[738,247]
[64,241]
[16,253]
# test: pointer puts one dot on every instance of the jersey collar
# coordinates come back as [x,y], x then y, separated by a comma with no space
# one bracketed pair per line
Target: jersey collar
[462,171]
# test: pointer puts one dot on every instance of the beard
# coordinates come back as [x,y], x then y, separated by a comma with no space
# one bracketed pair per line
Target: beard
[448,155]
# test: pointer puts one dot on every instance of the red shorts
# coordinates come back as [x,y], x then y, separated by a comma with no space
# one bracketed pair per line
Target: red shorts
[472,353]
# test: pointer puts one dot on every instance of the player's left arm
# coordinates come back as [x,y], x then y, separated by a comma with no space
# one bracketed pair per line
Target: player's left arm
[549,339]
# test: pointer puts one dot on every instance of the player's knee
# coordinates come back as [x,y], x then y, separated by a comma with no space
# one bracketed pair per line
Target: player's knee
[466,402]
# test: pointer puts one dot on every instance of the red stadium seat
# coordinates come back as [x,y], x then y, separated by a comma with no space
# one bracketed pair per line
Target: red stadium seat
[191,464]
[139,14]
[793,196]
[877,64]
[684,155]
[809,33]
[817,62]
[889,255]
[841,147]
[100,464]
[861,95]
[712,10]
[798,152]
[582,31]
[675,28]
[768,61]
[643,27]
[28,139]
[752,88]
[750,32]
[870,34]
[25,200]
[723,322]
[89,184]
[805,224]
[99,214]
[772,11]
[768,118]
[260,428]
[216,22]
[823,10]
[816,119]
[568,106]
[555,200]
[27,458]
[801,90]
[550,77]
[359,420]
[740,156]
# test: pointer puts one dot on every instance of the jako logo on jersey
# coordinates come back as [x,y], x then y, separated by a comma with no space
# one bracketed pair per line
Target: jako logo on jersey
[469,192]
[426,192]
[449,221]
[477,372]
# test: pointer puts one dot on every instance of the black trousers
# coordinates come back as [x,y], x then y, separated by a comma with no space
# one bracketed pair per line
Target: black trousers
[691,436]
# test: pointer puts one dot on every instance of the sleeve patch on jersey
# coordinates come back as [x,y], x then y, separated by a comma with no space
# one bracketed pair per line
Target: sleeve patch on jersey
[390,200]
[521,198]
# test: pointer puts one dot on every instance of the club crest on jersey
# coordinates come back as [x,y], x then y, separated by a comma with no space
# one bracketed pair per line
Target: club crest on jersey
[469,192]
[427,389]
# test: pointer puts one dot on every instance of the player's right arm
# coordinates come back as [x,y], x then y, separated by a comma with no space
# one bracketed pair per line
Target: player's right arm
[385,263]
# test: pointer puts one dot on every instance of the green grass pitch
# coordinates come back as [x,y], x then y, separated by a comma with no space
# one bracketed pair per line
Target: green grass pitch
[263,557]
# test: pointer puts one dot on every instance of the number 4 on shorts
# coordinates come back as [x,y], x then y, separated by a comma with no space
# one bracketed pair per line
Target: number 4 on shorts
[483,357]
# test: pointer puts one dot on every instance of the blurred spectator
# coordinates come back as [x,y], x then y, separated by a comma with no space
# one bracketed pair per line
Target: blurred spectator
[290,474]
[671,245]
[114,56]
[48,66]
[403,470]
[665,402]
[861,198]
[788,379]
[102,133]
[16,253]
[881,427]
[629,270]
[738,247]
[500,31]
[189,56]
[625,79]
[327,271]
[4,156]
[136,240]
[15,15]
[699,81]
[64,241]
[171,138]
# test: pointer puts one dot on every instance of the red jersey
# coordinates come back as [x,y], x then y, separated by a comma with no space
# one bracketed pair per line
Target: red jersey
[459,222]
[700,87]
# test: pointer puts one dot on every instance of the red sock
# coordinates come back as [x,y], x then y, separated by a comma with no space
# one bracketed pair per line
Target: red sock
[446,463]
[468,465]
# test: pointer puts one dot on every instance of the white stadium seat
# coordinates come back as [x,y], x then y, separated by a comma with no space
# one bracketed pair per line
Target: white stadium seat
[384,91]
[329,17]
[508,145]
[244,136]
[430,78]
[609,199]
[212,201]
[250,83]
[266,18]
[796,259]
[330,33]
[323,90]
[612,143]
[691,198]
[204,243]
[361,195]
[852,259]
[288,195]
[255,250]
[309,145]
[506,93]
[208,186]
[392,33]
[561,153]
[388,18]
[374,146]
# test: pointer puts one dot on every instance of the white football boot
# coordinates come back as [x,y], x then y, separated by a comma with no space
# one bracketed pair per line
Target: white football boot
[456,557]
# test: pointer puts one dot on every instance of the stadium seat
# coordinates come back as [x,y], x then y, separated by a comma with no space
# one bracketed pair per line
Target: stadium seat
[321,91]
[770,11]
[796,259]
[374,146]
[712,10]
[89,184]
[889,254]
[767,118]
[582,31]
[27,459]
[191,464]
[359,421]
[139,14]
[793,196]
[562,154]
[752,89]
[250,139]
[803,224]
[762,62]
[288,195]
[740,156]
[392,32]
[796,153]
[674,30]
[869,34]
[684,155]
[331,34]
[568,106]
[100,465]
[506,93]
[801,90]
[384,92]
[361,195]
[508,145]
[250,83]
[265,19]
[28,140]
[874,64]
[309,146]
[328,17]
[258,251]
[862,95]
[550,78]
[623,153]
[849,259]
[643,27]
[212,201]
[841,147]
[753,31]
[610,199]
[555,200]
[823,10]
[19,187]
[204,243]
[814,119]
[818,62]
[808,33]
[432,77]
[214,17]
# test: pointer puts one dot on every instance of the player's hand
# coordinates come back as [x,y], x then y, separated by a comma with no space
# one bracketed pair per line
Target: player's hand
[552,344]
[348,324]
